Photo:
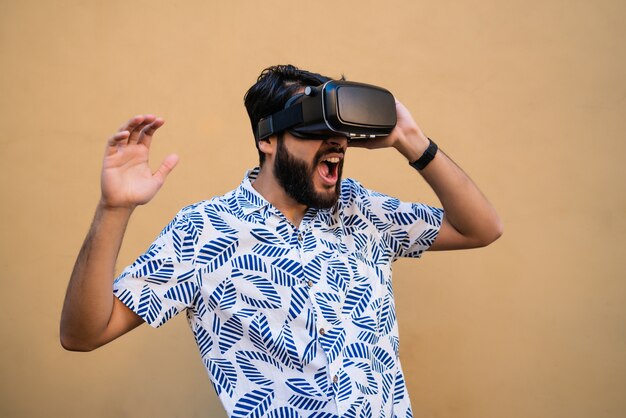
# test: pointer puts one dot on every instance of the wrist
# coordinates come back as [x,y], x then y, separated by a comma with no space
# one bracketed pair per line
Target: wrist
[426,157]
[109,207]
[412,145]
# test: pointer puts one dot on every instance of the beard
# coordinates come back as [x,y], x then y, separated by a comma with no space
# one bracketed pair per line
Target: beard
[296,177]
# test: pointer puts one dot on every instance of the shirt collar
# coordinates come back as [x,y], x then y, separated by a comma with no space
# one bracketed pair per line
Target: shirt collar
[250,200]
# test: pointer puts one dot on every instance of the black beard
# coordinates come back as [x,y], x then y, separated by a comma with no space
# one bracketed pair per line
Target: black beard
[296,177]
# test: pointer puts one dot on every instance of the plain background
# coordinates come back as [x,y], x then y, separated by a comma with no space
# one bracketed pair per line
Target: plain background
[529,97]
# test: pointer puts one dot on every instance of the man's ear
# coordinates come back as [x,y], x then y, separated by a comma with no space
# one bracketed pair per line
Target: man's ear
[268,145]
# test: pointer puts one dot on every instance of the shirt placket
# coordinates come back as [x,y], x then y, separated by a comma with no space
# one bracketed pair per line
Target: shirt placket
[323,327]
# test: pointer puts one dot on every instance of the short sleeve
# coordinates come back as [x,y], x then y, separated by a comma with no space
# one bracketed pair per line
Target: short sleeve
[414,228]
[407,229]
[162,282]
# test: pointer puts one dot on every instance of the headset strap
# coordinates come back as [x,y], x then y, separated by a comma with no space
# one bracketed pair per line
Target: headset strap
[280,121]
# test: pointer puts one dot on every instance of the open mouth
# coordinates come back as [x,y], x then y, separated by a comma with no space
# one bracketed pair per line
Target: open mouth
[328,169]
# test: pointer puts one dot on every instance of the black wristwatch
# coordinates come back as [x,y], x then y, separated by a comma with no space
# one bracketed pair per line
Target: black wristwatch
[426,157]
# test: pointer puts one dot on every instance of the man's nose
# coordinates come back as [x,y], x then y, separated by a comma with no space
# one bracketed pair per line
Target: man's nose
[341,141]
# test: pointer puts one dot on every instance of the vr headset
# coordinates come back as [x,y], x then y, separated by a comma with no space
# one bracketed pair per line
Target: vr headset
[336,108]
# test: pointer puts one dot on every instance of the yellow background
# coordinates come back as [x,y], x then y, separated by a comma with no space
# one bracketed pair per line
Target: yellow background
[529,97]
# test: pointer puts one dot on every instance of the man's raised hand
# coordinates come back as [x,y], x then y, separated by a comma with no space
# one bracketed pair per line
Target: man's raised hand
[92,316]
[127,180]
[406,137]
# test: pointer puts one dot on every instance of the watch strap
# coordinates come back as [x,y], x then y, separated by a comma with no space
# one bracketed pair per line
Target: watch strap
[426,157]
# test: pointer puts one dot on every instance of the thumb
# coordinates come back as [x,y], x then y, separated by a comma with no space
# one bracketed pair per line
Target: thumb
[166,167]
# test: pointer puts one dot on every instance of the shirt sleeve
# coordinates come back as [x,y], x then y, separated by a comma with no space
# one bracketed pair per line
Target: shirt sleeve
[407,228]
[162,282]
[414,228]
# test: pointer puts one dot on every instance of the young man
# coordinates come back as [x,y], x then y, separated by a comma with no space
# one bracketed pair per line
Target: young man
[286,280]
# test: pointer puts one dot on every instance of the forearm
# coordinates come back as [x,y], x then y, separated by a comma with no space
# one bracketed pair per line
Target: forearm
[466,209]
[89,299]
[473,221]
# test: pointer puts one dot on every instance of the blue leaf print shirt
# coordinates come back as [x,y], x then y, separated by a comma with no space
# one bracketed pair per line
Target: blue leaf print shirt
[289,322]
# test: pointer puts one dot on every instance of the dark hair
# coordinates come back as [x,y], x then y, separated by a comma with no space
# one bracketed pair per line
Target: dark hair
[271,91]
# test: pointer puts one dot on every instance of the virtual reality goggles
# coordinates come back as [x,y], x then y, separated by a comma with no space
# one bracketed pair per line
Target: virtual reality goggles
[336,108]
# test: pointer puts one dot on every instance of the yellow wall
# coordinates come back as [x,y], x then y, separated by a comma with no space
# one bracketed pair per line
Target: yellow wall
[527,96]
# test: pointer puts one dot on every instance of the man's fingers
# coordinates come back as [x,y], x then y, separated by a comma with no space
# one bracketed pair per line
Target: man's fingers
[131,123]
[137,130]
[145,137]
[135,133]
[166,167]
[117,139]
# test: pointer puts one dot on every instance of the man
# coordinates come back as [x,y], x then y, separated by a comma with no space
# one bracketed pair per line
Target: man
[286,280]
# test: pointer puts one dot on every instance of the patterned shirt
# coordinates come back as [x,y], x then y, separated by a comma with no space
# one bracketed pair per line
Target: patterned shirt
[289,321]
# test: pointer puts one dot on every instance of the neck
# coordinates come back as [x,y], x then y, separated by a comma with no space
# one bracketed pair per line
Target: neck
[267,185]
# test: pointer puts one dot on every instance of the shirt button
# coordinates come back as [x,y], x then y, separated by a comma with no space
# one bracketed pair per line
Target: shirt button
[322,331]
[335,379]
[299,237]
[310,283]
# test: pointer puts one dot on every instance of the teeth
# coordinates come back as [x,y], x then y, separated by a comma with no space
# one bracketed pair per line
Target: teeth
[333,160]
